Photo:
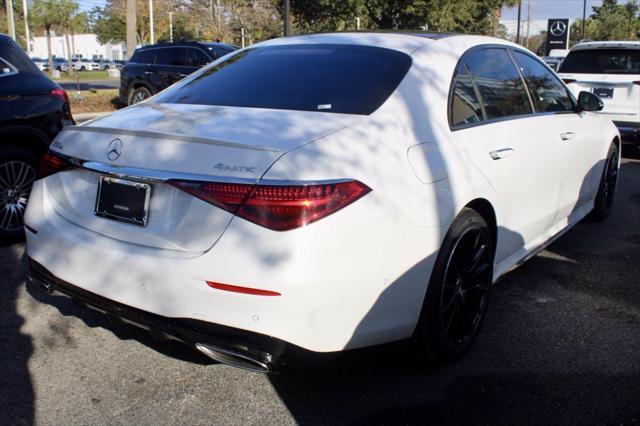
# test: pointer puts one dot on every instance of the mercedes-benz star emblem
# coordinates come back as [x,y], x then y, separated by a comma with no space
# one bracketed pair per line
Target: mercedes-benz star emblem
[558,28]
[114,150]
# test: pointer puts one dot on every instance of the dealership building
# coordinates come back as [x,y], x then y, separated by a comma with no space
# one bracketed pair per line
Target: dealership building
[82,46]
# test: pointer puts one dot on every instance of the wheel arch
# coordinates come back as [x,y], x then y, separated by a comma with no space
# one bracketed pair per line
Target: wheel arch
[30,138]
[488,213]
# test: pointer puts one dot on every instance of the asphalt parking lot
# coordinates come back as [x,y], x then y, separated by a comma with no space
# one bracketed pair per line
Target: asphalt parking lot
[560,344]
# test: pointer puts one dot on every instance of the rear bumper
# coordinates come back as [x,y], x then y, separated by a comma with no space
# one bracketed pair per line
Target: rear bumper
[189,331]
[630,132]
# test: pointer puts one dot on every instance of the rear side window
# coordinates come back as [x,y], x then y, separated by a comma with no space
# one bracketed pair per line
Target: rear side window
[602,61]
[465,105]
[501,89]
[14,59]
[174,56]
[196,58]
[549,95]
[144,56]
[320,77]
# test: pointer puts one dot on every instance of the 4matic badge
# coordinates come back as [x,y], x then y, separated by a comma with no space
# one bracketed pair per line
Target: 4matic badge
[234,169]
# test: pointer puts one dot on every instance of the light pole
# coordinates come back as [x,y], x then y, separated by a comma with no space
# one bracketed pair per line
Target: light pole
[287,10]
[518,26]
[171,26]
[153,39]
[26,26]
[584,16]
[10,24]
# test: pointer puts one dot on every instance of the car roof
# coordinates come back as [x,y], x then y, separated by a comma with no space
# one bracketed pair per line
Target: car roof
[403,41]
[187,43]
[606,44]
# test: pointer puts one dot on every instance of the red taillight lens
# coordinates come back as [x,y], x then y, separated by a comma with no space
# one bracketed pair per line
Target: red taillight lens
[568,80]
[637,82]
[53,163]
[59,93]
[277,207]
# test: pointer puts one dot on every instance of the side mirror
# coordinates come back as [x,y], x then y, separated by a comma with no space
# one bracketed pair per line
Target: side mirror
[587,101]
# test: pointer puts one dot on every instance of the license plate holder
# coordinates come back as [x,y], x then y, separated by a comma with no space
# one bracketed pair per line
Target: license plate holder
[123,200]
[603,92]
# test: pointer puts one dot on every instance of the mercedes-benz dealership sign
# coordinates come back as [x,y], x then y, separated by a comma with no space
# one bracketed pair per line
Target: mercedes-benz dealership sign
[557,34]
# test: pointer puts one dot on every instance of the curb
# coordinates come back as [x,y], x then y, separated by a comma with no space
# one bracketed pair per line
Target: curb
[86,116]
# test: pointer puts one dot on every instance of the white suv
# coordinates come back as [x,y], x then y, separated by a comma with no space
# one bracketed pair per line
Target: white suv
[611,70]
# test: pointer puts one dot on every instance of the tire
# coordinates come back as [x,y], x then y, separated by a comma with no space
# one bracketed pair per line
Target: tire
[83,68]
[607,188]
[456,302]
[139,94]
[18,168]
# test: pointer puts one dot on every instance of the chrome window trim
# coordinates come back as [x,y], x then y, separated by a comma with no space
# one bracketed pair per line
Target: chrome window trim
[13,69]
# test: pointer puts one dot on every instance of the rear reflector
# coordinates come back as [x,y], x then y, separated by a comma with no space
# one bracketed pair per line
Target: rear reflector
[53,163]
[244,290]
[277,207]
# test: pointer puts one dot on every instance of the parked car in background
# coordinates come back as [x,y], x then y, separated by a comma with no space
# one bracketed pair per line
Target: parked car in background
[61,64]
[85,65]
[42,64]
[106,65]
[33,109]
[555,58]
[155,67]
[611,70]
[329,191]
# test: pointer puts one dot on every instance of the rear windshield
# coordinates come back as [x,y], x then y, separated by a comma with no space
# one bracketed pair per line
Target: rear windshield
[321,77]
[602,61]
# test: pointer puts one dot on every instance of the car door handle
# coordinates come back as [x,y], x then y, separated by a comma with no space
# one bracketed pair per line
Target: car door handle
[567,136]
[183,74]
[149,72]
[499,154]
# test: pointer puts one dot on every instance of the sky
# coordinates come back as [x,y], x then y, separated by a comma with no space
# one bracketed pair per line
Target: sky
[541,10]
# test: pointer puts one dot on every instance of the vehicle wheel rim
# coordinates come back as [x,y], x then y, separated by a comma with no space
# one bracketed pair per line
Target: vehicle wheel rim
[139,97]
[465,290]
[611,178]
[16,178]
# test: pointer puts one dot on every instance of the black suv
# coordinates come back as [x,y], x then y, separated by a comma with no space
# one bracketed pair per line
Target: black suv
[155,67]
[33,109]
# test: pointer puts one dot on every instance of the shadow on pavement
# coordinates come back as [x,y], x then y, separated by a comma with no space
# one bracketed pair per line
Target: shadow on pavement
[16,390]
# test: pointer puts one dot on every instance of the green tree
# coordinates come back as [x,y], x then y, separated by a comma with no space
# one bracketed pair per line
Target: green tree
[614,21]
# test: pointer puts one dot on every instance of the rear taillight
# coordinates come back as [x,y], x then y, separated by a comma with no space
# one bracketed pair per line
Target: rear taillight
[637,82]
[277,207]
[53,163]
[60,93]
[569,80]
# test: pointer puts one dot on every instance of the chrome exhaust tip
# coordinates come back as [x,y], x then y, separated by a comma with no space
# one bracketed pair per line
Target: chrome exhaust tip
[236,359]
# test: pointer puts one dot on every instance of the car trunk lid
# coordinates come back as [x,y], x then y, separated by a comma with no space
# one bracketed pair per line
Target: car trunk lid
[156,142]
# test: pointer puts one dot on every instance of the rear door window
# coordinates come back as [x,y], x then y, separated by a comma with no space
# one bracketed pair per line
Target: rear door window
[465,105]
[549,95]
[174,56]
[501,88]
[602,61]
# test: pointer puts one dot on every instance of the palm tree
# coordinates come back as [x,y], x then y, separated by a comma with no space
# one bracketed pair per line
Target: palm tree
[497,13]
[52,14]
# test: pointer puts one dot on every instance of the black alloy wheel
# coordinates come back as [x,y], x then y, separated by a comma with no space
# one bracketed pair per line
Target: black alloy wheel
[138,95]
[459,289]
[18,169]
[608,184]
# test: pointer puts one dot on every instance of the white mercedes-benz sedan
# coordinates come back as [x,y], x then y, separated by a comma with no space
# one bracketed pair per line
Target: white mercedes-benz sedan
[324,192]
